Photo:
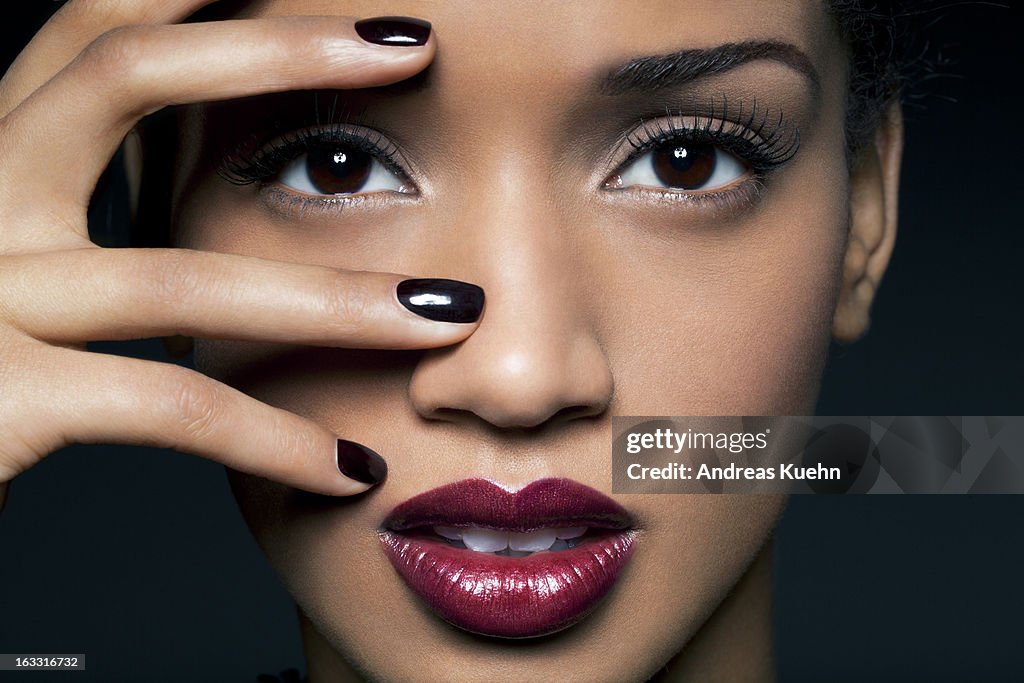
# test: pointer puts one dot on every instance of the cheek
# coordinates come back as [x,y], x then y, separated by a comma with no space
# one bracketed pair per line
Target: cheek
[696,550]
[727,319]
[694,316]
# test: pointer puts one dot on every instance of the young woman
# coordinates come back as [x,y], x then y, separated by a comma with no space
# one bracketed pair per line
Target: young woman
[456,239]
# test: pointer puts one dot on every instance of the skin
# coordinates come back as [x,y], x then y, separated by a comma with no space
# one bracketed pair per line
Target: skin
[599,302]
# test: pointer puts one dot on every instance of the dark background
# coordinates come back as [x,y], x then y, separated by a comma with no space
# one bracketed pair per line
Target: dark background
[139,558]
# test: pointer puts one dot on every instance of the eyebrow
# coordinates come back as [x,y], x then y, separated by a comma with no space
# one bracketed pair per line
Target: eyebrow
[655,72]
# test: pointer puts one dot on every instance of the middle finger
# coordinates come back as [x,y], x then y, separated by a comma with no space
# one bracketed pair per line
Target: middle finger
[135,71]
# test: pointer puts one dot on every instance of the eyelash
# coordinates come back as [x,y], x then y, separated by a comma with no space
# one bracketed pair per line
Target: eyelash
[760,140]
[245,168]
[746,137]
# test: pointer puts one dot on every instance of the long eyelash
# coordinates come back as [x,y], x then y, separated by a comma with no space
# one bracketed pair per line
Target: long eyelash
[246,166]
[760,138]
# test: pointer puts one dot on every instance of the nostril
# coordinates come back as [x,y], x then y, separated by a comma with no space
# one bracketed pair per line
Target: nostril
[516,373]
[578,412]
[522,423]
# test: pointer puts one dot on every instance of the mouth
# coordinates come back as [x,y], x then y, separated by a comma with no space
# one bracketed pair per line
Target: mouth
[510,565]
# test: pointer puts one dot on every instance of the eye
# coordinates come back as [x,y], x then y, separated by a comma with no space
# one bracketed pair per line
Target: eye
[339,169]
[681,165]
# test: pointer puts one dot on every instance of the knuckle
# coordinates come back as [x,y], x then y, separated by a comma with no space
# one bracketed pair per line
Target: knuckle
[11,367]
[97,12]
[21,447]
[14,455]
[27,431]
[119,55]
[175,279]
[20,364]
[8,300]
[294,447]
[348,304]
[196,406]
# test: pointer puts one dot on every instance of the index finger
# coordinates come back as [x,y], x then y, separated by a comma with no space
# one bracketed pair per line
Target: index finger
[135,293]
[135,71]
[71,29]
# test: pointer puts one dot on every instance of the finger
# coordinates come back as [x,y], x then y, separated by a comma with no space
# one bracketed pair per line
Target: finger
[134,71]
[93,294]
[98,398]
[71,29]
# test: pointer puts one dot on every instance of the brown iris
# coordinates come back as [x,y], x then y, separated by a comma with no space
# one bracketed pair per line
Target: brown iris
[684,166]
[338,170]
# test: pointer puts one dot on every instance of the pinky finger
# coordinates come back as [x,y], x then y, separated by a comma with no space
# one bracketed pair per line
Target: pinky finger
[112,399]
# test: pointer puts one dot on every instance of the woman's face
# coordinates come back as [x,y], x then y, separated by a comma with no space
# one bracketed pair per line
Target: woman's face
[627,271]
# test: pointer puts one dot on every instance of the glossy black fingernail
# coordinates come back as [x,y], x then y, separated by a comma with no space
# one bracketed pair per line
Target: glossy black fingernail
[399,31]
[448,301]
[358,462]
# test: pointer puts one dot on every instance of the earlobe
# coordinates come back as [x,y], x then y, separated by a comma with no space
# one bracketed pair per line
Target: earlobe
[874,205]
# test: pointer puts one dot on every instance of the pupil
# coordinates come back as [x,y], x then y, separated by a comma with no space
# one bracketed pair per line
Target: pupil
[684,166]
[334,170]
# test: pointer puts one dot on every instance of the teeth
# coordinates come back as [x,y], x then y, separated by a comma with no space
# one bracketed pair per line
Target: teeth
[570,532]
[511,543]
[541,539]
[449,532]
[485,540]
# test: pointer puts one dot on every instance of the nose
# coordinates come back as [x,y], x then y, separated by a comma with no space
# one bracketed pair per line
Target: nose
[536,356]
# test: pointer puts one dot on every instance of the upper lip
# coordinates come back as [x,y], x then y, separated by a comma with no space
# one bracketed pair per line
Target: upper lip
[481,503]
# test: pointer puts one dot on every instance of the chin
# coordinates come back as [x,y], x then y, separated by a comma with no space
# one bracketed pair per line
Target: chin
[395,589]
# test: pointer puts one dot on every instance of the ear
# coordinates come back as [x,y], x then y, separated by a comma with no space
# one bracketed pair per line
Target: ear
[874,204]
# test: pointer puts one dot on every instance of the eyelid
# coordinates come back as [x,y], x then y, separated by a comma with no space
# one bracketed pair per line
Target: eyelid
[270,158]
[723,159]
[760,138]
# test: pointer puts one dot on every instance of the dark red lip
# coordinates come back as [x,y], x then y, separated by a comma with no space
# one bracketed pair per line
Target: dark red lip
[510,597]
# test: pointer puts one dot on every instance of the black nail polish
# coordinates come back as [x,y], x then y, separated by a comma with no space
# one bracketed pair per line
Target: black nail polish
[448,301]
[398,31]
[358,462]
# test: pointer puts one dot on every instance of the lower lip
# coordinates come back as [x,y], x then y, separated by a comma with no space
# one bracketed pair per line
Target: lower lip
[510,597]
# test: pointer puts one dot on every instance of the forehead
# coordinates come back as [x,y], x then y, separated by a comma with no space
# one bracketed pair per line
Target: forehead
[548,43]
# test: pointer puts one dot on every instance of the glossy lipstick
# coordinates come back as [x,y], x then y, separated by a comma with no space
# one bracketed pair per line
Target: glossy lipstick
[509,594]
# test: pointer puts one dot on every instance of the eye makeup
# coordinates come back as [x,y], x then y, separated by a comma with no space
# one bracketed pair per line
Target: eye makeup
[307,152]
[334,164]
[685,144]
[734,145]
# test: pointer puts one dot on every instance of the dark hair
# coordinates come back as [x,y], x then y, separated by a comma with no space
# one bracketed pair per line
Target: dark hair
[884,56]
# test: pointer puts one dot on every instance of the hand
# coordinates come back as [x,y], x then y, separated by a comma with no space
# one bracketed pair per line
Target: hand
[66,105]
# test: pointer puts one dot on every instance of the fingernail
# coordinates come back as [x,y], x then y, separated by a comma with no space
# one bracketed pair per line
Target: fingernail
[358,462]
[399,31]
[448,301]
